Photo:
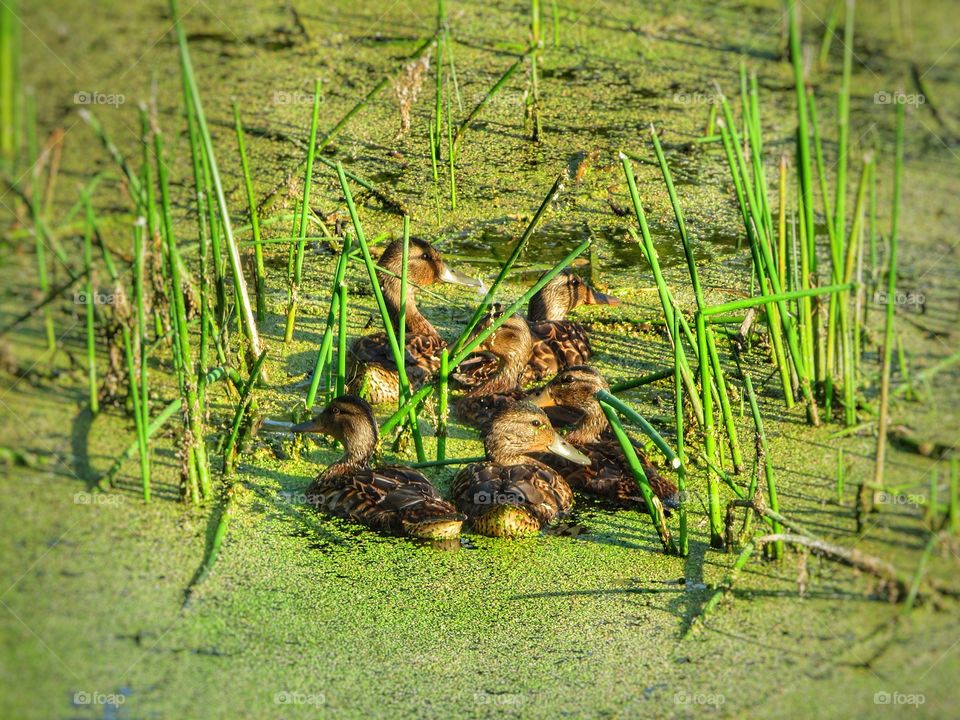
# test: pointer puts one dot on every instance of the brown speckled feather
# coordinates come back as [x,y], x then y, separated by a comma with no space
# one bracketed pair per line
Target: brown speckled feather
[391,498]
[609,477]
[371,364]
[480,487]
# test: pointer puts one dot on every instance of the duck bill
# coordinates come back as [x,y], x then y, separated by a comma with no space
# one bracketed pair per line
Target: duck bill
[561,447]
[451,275]
[543,398]
[314,425]
[595,297]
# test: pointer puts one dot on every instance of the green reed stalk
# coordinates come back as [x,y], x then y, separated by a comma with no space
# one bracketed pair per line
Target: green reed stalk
[404,282]
[478,339]
[195,442]
[843,303]
[828,31]
[443,393]
[887,354]
[641,381]
[326,343]
[518,249]
[304,214]
[670,315]
[246,397]
[654,507]
[741,562]
[763,451]
[343,293]
[398,352]
[753,223]
[91,331]
[240,285]
[534,100]
[758,300]
[681,452]
[713,356]
[451,157]
[709,437]
[9,82]
[139,261]
[40,245]
[623,409]
[261,277]
[782,224]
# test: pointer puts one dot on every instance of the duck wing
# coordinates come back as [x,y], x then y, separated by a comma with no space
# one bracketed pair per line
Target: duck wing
[609,477]
[478,411]
[391,499]
[557,344]
[480,488]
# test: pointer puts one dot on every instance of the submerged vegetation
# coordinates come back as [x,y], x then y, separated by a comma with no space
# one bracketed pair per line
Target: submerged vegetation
[206,315]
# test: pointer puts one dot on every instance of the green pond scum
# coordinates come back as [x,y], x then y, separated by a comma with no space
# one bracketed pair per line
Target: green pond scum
[227,595]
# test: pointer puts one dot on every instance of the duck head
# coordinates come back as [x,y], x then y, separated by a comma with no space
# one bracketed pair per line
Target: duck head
[522,428]
[562,294]
[349,420]
[512,344]
[575,388]
[425,267]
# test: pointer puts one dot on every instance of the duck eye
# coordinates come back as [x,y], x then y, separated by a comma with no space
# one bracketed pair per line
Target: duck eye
[537,423]
[335,411]
[566,380]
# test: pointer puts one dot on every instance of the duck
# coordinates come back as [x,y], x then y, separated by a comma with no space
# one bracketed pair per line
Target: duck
[608,476]
[372,370]
[511,493]
[510,345]
[557,342]
[393,499]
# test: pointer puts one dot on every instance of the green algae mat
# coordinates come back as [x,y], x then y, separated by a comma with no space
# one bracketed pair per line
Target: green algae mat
[250,603]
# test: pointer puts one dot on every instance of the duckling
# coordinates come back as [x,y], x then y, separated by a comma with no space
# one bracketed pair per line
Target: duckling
[511,345]
[511,494]
[557,343]
[390,498]
[608,475]
[372,369]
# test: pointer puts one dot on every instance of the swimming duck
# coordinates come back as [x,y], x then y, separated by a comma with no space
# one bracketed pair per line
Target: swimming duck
[608,475]
[557,343]
[511,494]
[510,344]
[372,370]
[389,498]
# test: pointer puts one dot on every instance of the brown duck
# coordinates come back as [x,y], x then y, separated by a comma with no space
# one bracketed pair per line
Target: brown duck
[511,494]
[608,476]
[372,371]
[510,345]
[557,343]
[390,498]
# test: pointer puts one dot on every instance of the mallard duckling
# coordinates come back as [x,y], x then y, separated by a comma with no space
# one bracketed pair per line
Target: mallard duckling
[511,494]
[511,345]
[608,475]
[557,343]
[389,498]
[372,370]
